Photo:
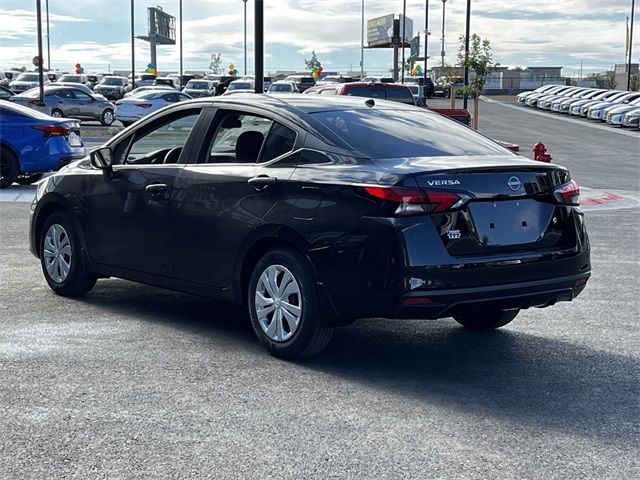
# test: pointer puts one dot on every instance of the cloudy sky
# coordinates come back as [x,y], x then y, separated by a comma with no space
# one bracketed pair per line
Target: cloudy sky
[96,33]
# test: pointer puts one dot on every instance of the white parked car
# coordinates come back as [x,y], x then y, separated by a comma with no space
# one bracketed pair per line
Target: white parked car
[152,88]
[130,109]
[615,115]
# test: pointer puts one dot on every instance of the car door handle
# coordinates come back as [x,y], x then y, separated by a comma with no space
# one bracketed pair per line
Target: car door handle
[262,181]
[156,189]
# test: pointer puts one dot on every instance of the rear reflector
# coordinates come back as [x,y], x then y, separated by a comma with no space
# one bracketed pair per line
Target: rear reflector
[416,200]
[568,194]
[581,283]
[416,301]
[52,130]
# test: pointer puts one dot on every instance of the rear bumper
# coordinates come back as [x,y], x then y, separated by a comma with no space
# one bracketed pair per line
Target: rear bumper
[398,270]
[448,303]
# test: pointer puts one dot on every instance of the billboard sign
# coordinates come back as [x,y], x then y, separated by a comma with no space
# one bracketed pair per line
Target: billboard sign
[408,28]
[162,26]
[380,30]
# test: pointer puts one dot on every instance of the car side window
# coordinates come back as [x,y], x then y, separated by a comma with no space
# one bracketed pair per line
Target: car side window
[239,138]
[80,95]
[64,94]
[182,97]
[153,144]
[280,140]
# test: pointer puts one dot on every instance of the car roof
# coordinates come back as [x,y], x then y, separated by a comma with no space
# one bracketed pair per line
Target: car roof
[300,103]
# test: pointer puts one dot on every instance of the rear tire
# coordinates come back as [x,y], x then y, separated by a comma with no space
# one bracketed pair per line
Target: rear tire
[126,124]
[284,305]
[61,257]
[28,178]
[106,118]
[487,321]
[9,167]
[56,113]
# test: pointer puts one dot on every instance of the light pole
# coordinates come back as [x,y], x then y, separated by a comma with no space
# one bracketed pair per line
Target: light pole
[633,7]
[442,50]
[48,42]
[362,40]
[181,35]
[426,41]
[133,48]
[245,36]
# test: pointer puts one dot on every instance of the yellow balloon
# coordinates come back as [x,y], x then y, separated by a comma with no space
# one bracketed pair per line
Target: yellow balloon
[231,66]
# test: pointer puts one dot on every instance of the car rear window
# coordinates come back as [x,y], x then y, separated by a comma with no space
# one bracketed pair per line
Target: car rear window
[367,91]
[400,94]
[384,133]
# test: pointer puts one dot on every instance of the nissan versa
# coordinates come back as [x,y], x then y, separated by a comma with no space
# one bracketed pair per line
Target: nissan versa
[313,212]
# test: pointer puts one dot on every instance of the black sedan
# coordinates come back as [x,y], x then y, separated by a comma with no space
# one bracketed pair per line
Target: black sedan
[313,212]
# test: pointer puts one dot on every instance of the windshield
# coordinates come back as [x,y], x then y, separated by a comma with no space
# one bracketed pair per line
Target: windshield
[198,85]
[27,77]
[112,81]
[280,87]
[240,86]
[381,133]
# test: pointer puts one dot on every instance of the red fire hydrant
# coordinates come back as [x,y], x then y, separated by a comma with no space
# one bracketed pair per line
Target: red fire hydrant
[540,153]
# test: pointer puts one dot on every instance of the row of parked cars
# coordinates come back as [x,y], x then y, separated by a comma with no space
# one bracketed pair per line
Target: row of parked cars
[616,107]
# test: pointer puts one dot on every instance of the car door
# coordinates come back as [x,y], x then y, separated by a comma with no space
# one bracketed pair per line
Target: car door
[219,201]
[87,106]
[130,210]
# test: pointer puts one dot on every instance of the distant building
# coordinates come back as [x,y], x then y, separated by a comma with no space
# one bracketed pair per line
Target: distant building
[620,72]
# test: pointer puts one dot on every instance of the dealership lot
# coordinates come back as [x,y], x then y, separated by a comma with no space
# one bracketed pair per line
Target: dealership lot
[133,381]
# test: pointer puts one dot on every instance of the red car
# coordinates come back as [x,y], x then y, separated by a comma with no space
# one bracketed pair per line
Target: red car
[387,91]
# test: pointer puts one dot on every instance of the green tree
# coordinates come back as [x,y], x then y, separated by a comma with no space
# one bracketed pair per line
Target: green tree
[215,66]
[480,63]
[312,62]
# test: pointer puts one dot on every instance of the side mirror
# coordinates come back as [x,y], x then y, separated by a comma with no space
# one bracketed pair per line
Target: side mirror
[101,158]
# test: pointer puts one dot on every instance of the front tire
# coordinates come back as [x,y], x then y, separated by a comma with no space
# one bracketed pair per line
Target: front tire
[61,257]
[9,167]
[284,306]
[56,113]
[487,321]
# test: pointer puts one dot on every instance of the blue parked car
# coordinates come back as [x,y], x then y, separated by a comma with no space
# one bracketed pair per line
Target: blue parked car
[32,143]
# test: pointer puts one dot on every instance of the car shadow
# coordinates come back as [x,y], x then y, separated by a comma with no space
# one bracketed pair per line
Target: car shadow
[520,377]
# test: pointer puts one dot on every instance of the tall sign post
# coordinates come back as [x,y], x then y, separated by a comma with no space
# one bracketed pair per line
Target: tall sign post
[38,60]
[259,45]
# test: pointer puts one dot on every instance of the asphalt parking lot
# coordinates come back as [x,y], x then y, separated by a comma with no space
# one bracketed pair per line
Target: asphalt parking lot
[136,382]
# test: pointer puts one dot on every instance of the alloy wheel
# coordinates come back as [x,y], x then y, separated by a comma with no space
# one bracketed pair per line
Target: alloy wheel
[107,117]
[278,303]
[57,253]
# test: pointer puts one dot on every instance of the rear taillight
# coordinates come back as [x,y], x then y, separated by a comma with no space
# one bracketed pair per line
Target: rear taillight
[568,194]
[414,200]
[143,105]
[52,130]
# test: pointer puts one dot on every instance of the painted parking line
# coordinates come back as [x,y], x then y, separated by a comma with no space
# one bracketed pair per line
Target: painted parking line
[563,118]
